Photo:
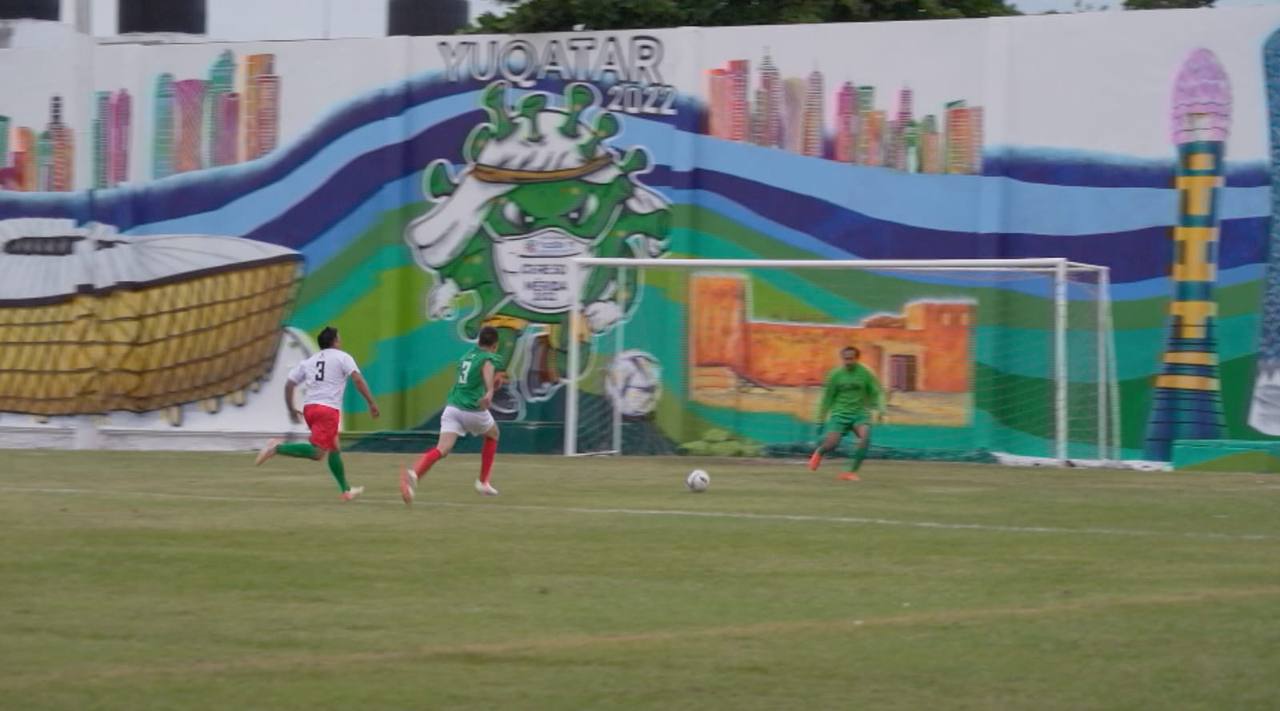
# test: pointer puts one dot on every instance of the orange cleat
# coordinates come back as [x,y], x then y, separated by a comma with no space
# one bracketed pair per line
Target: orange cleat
[850,476]
[814,461]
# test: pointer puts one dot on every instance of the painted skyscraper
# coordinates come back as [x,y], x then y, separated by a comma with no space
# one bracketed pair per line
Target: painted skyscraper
[111,126]
[793,96]
[227,137]
[4,141]
[1187,402]
[846,144]
[162,146]
[62,150]
[222,76]
[261,105]
[188,125]
[26,157]
[771,88]
[119,134]
[813,109]
[902,129]
[101,126]
[268,113]
[739,73]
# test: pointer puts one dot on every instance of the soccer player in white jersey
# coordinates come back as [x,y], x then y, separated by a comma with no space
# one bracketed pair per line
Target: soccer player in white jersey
[325,376]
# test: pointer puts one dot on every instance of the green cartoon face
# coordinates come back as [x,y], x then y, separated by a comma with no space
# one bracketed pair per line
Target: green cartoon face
[575,207]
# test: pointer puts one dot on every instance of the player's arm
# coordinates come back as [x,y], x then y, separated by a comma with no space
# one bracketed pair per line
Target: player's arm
[490,382]
[828,397]
[363,388]
[291,383]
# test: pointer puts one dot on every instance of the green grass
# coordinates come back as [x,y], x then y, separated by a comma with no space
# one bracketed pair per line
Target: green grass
[194,581]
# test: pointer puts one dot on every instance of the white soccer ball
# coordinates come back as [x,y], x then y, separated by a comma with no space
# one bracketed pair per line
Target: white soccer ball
[634,383]
[697,481]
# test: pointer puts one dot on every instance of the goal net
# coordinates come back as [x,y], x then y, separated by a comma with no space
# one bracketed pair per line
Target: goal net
[980,360]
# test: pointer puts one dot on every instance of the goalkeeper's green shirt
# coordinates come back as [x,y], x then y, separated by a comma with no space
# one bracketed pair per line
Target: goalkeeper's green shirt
[851,391]
[469,387]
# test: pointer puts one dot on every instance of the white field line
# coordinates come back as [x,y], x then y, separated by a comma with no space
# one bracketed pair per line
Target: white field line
[802,518]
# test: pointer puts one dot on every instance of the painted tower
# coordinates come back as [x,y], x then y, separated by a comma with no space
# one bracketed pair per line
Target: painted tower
[1187,403]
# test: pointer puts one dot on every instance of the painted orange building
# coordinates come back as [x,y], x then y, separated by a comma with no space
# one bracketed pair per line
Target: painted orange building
[925,348]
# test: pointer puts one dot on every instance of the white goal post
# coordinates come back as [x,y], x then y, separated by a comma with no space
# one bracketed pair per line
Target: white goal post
[1038,333]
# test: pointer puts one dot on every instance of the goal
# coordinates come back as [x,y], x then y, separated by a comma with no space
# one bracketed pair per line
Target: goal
[980,360]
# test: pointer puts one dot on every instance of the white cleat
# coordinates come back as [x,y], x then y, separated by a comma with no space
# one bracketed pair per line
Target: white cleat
[408,481]
[352,493]
[485,489]
[267,452]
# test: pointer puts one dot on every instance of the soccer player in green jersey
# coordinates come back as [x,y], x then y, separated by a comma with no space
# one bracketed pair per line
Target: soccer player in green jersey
[850,394]
[466,413]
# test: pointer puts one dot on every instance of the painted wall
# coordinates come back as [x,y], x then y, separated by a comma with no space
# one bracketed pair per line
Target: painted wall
[425,199]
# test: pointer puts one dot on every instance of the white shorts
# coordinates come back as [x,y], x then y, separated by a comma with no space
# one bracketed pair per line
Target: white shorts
[465,422]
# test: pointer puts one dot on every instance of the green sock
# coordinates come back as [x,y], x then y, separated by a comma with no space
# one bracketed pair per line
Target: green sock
[301,450]
[339,471]
[859,454]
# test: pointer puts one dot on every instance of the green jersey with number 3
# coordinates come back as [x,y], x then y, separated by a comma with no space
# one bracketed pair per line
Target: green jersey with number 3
[469,387]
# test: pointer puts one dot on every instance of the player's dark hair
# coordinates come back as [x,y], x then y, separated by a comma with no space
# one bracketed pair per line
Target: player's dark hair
[488,336]
[327,337]
[855,350]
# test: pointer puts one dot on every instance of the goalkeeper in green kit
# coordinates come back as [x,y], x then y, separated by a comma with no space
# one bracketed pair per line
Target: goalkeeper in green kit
[850,393]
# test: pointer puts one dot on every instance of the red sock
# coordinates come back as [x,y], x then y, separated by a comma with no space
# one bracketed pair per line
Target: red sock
[424,462]
[487,453]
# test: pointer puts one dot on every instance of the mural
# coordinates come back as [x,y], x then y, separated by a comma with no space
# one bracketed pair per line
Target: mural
[922,356]
[38,162]
[1264,413]
[540,187]
[93,322]
[791,114]
[429,186]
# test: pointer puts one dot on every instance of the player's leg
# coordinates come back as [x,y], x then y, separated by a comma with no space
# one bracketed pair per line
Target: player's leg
[339,471]
[300,450]
[832,432]
[444,445]
[488,451]
[450,428]
[323,423]
[862,431]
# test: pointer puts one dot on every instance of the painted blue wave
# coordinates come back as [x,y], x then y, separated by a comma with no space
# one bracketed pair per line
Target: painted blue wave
[316,183]
[1103,170]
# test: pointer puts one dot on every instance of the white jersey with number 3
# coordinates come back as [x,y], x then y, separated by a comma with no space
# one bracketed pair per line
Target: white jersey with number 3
[324,375]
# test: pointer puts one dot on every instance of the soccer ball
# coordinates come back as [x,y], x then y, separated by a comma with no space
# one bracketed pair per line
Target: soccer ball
[697,481]
[634,383]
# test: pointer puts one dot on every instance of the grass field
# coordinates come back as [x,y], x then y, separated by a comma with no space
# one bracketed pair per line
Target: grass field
[195,581]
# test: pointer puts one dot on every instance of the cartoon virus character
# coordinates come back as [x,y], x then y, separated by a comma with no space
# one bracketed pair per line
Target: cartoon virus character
[539,186]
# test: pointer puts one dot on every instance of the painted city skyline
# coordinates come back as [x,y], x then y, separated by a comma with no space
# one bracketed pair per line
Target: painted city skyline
[790,113]
[44,161]
[230,117]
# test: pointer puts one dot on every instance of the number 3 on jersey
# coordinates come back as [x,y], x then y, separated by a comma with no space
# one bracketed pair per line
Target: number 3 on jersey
[463,368]
[320,370]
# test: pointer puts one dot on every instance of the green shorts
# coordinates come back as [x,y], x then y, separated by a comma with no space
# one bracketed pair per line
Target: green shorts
[840,424]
